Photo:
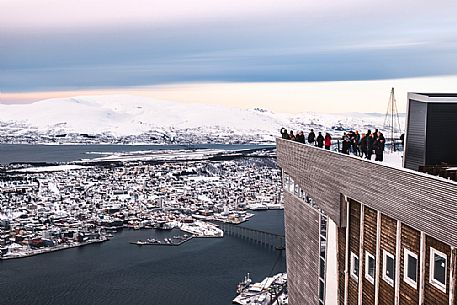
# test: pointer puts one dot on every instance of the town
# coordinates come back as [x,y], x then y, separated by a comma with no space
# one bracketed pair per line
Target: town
[52,208]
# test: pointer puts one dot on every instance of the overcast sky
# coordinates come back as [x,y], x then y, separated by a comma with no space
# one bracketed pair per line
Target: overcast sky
[87,44]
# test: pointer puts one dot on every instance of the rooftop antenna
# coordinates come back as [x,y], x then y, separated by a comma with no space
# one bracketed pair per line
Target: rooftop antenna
[392,119]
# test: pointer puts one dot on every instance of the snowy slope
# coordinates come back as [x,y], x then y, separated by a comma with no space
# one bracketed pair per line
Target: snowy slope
[124,115]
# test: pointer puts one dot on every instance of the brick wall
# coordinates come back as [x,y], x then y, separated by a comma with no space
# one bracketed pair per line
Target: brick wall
[388,242]
[341,263]
[302,239]
[369,244]
[410,239]
[354,244]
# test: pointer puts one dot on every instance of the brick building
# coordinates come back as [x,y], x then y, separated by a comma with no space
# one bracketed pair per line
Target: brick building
[363,232]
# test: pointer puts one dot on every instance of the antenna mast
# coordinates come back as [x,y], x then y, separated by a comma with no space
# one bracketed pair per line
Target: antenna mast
[392,119]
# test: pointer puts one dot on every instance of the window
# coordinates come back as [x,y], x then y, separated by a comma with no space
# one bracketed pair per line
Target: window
[323,247]
[388,268]
[354,266]
[285,180]
[323,231]
[321,290]
[370,267]
[438,269]
[322,268]
[410,268]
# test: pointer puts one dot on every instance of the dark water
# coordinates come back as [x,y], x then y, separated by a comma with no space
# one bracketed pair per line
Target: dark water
[200,272]
[67,153]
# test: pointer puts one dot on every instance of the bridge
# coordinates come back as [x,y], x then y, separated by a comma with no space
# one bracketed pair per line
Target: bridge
[266,239]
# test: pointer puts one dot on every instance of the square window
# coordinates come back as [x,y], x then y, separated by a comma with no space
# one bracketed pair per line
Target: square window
[354,266]
[410,267]
[370,267]
[438,269]
[388,268]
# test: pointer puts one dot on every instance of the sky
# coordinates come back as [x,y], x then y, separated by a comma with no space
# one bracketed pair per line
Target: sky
[54,47]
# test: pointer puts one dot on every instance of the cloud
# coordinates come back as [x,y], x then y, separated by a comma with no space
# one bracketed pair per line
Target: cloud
[77,44]
[35,14]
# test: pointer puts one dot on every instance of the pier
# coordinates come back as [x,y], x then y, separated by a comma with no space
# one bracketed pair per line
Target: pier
[267,239]
[161,243]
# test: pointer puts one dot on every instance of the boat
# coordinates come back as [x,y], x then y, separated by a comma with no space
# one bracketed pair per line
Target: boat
[244,284]
[261,293]
[141,242]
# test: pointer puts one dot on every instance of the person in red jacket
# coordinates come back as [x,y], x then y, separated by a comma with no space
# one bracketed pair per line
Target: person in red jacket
[327,141]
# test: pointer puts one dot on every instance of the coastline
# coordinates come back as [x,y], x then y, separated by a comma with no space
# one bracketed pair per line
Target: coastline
[51,249]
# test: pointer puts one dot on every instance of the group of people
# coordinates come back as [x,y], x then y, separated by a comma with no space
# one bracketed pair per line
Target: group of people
[363,145]
[319,140]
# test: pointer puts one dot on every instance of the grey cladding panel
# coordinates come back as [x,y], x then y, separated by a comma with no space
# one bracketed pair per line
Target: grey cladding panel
[415,135]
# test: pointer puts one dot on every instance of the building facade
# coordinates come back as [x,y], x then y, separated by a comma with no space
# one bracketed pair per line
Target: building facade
[362,232]
[431,121]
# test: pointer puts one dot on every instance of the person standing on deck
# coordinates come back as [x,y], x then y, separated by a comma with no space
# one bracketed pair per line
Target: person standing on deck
[355,143]
[300,137]
[370,142]
[379,147]
[327,141]
[311,137]
[320,140]
[375,133]
[284,134]
[363,146]
[346,144]
[291,136]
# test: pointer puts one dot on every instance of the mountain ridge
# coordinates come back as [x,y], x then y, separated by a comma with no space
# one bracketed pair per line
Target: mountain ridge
[121,116]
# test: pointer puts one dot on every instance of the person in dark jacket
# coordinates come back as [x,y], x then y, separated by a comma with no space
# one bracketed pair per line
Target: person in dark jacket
[320,140]
[291,136]
[378,147]
[284,134]
[370,142]
[363,145]
[327,141]
[375,133]
[346,145]
[300,137]
[355,143]
[311,137]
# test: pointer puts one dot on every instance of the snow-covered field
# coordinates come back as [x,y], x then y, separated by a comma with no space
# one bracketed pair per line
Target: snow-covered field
[134,119]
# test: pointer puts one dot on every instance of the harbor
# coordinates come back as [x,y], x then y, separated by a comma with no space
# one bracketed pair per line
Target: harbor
[13,254]
[116,272]
[110,217]
[63,206]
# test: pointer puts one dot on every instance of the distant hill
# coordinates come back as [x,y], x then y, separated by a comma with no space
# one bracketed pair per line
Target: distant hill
[147,120]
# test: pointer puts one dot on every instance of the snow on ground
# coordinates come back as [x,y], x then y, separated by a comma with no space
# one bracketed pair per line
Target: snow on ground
[123,115]
[394,159]
[54,168]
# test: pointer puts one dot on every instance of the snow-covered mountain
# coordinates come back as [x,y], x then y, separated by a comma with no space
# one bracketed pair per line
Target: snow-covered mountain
[125,118]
